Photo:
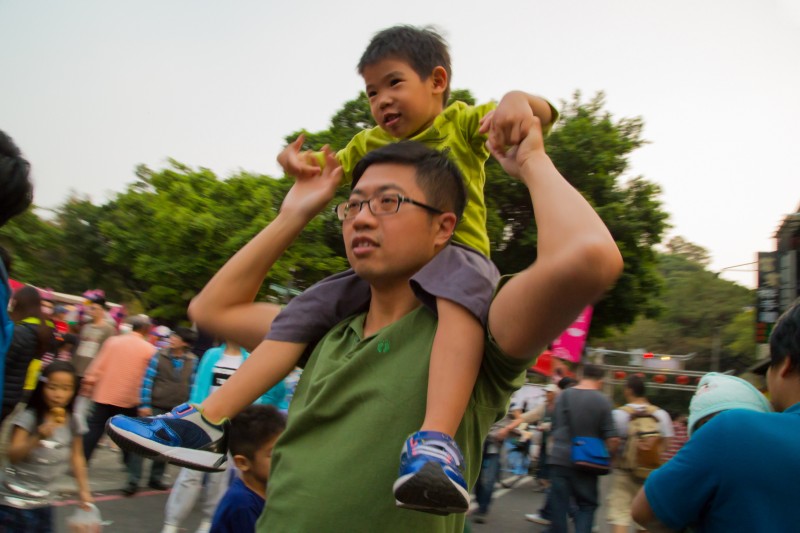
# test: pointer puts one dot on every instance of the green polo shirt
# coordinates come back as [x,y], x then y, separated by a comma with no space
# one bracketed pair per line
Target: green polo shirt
[357,401]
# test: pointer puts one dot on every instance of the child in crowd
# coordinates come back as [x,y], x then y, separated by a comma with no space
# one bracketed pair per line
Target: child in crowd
[252,438]
[406,71]
[44,443]
[216,366]
[719,392]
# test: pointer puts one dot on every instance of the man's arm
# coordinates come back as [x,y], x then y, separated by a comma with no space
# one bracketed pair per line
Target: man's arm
[577,258]
[146,393]
[226,306]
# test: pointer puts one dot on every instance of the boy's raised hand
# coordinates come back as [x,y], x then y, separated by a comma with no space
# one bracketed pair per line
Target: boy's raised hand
[297,163]
[514,157]
[509,123]
[310,194]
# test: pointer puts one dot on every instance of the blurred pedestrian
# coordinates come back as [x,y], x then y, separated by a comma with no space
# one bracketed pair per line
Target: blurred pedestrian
[166,383]
[16,195]
[113,381]
[32,338]
[44,443]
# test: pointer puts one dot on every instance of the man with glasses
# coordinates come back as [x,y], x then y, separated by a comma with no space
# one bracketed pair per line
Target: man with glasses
[739,471]
[365,384]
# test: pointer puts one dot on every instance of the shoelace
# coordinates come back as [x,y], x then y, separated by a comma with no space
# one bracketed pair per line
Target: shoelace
[440,450]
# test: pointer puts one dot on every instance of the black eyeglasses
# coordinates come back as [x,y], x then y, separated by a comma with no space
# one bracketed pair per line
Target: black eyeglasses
[380,205]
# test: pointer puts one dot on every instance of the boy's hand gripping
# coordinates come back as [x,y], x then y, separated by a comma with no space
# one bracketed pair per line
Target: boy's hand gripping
[509,123]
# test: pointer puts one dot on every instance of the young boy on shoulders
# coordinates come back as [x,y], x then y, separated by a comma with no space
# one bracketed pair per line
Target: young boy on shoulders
[252,438]
[406,71]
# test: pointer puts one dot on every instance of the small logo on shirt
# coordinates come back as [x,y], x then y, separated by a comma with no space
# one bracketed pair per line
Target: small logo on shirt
[383,346]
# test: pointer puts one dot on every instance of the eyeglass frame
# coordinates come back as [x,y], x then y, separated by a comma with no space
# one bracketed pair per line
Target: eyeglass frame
[400,200]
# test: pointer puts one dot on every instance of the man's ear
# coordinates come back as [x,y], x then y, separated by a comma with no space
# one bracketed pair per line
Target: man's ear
[439,79]
[242,462]
[785,367]
[447,225]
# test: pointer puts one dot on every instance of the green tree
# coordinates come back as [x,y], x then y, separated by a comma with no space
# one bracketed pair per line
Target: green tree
[700,313]
[35,248]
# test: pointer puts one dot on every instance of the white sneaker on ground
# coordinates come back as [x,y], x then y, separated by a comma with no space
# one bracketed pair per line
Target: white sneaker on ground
[536,518]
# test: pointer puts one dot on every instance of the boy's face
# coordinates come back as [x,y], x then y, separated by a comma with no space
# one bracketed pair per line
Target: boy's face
[176,342]
[401,102]
[262,461]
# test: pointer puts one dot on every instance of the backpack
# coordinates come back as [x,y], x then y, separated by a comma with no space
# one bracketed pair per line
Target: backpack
[644,445]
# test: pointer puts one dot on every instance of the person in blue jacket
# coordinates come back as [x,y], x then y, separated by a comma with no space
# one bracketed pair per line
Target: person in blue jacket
[16,195]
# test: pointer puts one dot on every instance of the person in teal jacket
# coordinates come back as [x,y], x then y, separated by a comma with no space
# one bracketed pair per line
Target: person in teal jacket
[216,366]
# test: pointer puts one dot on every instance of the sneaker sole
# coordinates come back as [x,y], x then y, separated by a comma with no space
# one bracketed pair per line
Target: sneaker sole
[430,490]
[185,457]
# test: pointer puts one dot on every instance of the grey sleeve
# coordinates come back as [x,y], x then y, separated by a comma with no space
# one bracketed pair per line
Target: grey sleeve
[608,428]
[27,421]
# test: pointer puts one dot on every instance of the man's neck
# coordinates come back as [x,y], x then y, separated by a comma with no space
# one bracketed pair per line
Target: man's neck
[388,305]
[587,384]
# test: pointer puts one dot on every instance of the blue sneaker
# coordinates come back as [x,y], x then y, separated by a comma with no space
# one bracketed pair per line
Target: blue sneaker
[431,475]
[182,437]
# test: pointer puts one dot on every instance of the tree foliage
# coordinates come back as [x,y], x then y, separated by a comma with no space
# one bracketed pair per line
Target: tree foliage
[161,239]
[700,313]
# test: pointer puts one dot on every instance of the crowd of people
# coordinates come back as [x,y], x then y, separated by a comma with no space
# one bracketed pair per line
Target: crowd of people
[416,349]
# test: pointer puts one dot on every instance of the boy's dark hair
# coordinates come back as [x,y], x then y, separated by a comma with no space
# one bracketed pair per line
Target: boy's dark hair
[437,176]
[16,189]
[188,335]
[37,401]
[422,48]
[593,372]
[68,338]
[28,304]
[636,386]
[253,427]
[785,338]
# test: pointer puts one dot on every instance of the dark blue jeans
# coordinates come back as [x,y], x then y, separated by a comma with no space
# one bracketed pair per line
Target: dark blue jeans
[490,468]
[13,520]
[566,483]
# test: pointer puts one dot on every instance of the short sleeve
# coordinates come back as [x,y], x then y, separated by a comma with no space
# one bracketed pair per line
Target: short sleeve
[680,490]
[666,423]
[26,420]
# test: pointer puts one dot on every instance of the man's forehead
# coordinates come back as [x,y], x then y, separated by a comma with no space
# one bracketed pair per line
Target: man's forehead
[380,177]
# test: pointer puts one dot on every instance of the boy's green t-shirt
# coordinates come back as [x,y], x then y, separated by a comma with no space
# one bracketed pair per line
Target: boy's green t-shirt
[456,130]
[357,401]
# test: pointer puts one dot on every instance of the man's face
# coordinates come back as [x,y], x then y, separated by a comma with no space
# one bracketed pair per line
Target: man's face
[390,248]
[401,102]
[176,342]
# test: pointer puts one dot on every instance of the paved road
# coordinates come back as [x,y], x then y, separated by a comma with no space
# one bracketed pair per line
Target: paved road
[144,513]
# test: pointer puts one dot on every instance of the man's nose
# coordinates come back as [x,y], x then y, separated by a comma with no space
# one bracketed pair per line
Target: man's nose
[364,216]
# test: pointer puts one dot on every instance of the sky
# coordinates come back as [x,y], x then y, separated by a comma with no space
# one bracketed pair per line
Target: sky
[90,89]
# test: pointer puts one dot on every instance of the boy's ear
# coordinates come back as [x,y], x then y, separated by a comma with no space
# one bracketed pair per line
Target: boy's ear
[241,462]
[439,78]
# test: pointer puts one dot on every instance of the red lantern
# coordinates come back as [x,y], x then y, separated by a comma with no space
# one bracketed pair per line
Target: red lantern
[647,355]
[619,374]
[660,378]
[682,380]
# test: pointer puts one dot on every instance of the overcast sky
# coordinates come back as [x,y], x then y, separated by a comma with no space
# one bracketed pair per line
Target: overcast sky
[91,88]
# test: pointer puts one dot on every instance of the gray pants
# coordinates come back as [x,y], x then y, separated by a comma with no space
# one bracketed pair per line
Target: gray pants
[186,491]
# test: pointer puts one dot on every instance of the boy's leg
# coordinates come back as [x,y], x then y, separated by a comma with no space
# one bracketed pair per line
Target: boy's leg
[458,285]
[195,436]
[455,361]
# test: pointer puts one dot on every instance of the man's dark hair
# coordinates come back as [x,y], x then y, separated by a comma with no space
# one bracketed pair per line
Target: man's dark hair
[188,335]
[99,300]
[567,382]
[16,189]
[254,427]
[785,338]
[437,176]
[593,372]
[422,48]
[636,386]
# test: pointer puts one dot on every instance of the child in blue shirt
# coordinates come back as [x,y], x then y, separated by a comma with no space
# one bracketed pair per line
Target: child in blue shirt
[252,438]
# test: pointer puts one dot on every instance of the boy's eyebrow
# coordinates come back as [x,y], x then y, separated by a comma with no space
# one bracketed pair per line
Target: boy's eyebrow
[392,74]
